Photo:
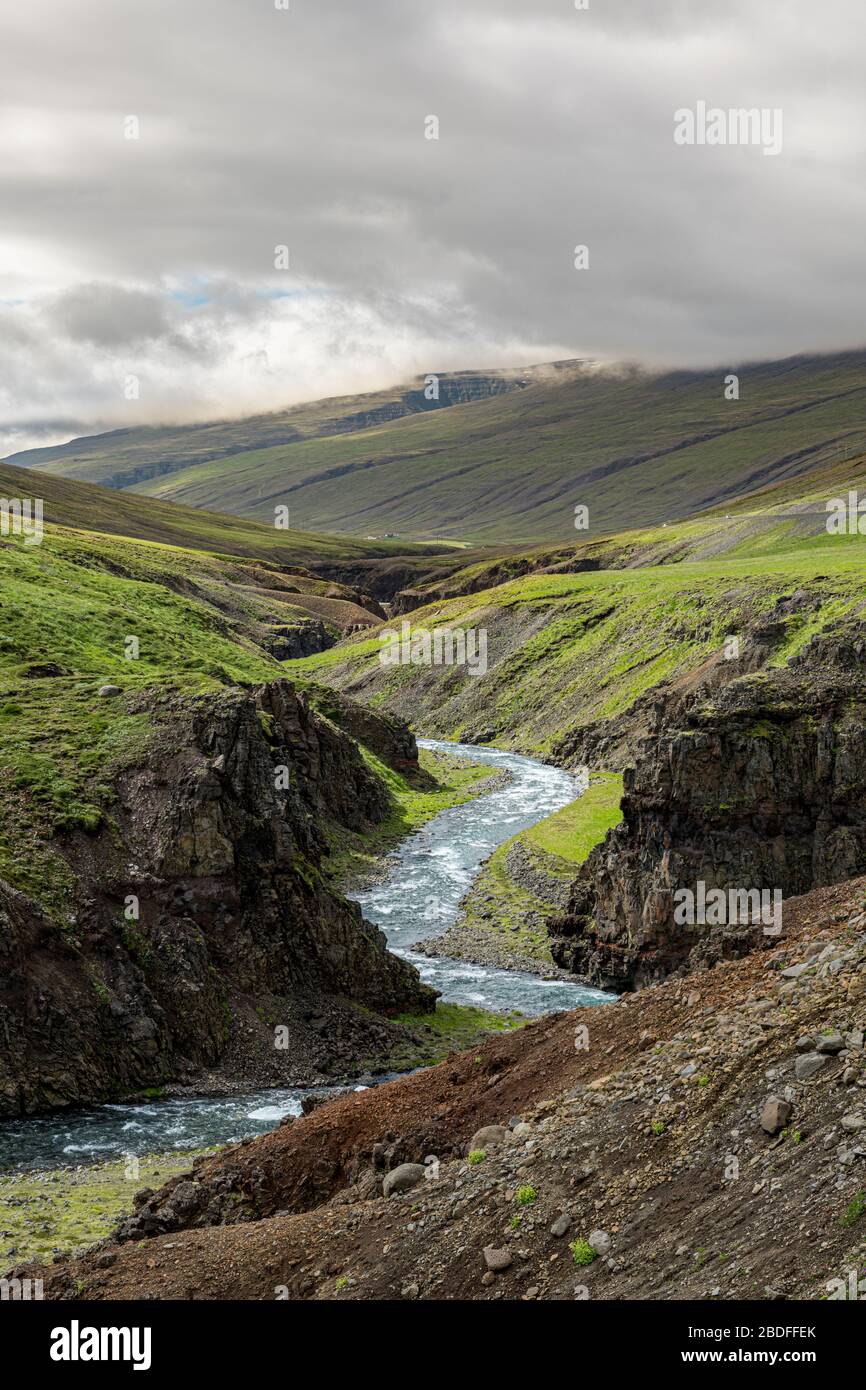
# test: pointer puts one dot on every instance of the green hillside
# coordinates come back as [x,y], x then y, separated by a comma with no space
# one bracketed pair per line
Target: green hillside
[635,449]
[121,458]
[75,504]
[570,652]
[782,518]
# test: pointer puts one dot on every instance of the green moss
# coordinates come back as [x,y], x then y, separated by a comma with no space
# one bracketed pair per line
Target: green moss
[430,1038]
[855,1209]
[582,1252]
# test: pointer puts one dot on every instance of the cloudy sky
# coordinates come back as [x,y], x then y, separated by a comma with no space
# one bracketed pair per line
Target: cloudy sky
[261,127]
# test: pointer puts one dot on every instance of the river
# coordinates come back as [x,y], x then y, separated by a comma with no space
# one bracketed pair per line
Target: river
[418,897]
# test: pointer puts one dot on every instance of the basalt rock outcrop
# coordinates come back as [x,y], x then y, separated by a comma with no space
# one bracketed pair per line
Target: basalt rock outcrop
[763,788]
[200,902]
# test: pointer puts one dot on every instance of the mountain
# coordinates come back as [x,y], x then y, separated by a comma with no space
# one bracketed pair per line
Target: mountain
[635,448]
[122,458]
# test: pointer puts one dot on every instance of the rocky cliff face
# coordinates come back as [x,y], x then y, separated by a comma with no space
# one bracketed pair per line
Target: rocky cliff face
[202,904]
[764,788]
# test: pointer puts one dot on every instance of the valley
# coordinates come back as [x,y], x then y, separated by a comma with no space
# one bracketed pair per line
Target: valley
[257,866]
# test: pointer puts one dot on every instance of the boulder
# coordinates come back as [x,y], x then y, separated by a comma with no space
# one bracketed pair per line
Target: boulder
[488,1137]
[497,1260]
[775,1114]
[402,1178]
[808,1064]
[600,1242]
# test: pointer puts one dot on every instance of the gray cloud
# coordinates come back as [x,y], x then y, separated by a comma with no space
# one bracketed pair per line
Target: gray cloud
[260,127]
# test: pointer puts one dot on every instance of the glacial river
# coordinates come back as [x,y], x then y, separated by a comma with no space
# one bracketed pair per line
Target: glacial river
[418,897]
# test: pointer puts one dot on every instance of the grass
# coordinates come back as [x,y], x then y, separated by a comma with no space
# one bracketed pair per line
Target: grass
[430,1038]
[68,608]
[80,505]
[566,651]
[526,1195]
[42,1213]
[570,834]
[582,1252]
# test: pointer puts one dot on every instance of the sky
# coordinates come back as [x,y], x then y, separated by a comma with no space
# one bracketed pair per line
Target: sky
[154,156]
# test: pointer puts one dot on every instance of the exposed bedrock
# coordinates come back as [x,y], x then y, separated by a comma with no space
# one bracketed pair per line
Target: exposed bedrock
[763,788]
[216,839]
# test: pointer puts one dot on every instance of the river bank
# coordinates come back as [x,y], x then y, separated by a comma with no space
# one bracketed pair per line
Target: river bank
[420,898]
[655,1142]
[431,868]
[503,918]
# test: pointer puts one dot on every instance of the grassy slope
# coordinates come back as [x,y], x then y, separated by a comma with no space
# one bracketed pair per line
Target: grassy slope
[67,608]
[781,518]
[565,650]
[635,449]
[42,1213]
[77,504]
[565,839]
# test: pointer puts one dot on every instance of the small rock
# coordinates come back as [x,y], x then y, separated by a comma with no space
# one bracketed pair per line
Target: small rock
[487,1278]
[831,1043]
[401,1178]
[805,1044]
[105,691]
[775,1114]
[808,1064]
[561,1225]
[600,1242]
[853,1123]
[496,1259]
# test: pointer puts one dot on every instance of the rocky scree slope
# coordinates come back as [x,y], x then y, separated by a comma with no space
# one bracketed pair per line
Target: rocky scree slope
[703,1139]
[762,787]
[235,919]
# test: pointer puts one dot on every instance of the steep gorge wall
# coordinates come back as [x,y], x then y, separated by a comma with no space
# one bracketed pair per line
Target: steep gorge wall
[225,865]
[765,788]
